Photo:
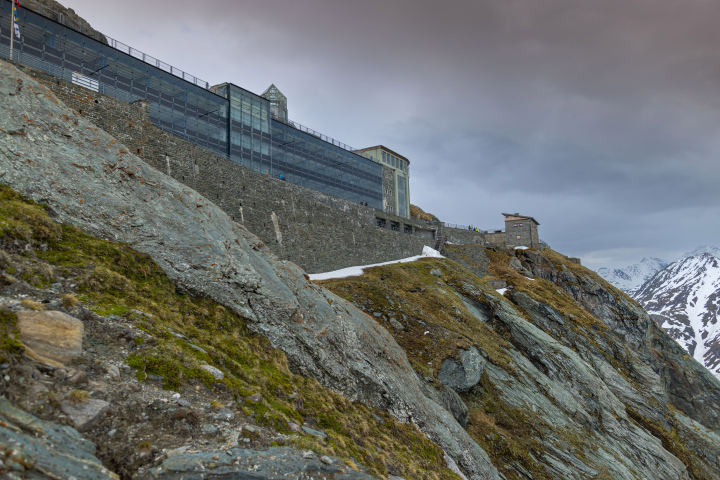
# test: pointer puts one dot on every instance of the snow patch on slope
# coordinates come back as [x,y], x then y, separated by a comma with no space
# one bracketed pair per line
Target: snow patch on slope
[358,270]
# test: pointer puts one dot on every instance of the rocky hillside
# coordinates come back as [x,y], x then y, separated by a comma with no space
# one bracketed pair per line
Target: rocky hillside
[684,300]
[89,181]
[556,374]
[144,334]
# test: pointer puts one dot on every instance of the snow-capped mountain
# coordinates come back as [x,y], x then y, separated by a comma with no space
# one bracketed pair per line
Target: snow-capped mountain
[631,278]
[683,299]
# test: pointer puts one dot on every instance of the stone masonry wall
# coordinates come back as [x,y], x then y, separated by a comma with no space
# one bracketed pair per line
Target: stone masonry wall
[460,236]
[316,231]
[388,189]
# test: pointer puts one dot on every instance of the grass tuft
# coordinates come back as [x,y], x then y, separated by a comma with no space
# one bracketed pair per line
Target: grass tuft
[79,396]
[32,305]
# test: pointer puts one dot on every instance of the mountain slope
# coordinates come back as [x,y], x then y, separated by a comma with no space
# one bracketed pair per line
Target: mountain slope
[631,278]
[90,181]
[683,299]
[562,376]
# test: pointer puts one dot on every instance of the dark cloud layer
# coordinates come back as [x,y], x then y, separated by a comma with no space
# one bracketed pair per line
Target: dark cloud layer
[600,119]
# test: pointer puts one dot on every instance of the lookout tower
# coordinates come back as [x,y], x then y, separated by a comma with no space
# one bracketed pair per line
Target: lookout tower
[278,103]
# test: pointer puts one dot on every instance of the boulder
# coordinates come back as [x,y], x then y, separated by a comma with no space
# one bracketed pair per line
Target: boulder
[463,373]
[33,448]
[51,337]
[271,464]
[85,414]
[217,373]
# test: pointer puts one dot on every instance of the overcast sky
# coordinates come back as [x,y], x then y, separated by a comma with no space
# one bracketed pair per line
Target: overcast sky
[598,118]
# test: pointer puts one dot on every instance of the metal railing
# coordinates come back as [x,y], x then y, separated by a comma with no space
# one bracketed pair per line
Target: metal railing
[63,19]
[133,52]
[470,228]
[455,225]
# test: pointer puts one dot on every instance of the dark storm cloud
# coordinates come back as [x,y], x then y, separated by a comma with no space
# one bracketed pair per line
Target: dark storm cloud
[599,118]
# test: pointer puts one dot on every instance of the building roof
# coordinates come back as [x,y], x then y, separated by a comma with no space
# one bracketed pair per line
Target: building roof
[272,91]
[386,149]
[517,215]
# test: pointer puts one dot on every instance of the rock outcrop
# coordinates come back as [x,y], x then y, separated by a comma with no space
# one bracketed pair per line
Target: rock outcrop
[272,464]
[31,448]
[90,181]
[51,337]
[63,15]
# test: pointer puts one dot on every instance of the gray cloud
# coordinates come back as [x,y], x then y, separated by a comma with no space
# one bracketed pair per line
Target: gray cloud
[600,119]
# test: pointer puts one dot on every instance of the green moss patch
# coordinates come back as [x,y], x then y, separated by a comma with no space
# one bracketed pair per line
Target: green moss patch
[10,345]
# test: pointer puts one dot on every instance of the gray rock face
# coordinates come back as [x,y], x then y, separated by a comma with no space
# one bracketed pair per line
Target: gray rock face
[273,464]
[85,414]
[464,373]
[653,356]
[516,265]
[449,400]
[90,181]
[40,450]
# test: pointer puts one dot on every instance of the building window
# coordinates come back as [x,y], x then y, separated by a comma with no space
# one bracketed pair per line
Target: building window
[519,224]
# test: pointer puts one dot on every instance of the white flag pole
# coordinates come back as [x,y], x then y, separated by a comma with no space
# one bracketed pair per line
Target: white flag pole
[12,27]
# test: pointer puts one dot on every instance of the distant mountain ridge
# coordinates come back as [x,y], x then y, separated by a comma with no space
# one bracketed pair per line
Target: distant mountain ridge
[682,297]
[709,249]
[632,278]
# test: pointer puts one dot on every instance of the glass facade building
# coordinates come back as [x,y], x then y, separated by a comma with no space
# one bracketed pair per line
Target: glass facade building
[269,146]
[177,106]
[225,119]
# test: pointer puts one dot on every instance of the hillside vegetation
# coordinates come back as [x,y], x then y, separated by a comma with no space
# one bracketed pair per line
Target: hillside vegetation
[181,333]
[568,386]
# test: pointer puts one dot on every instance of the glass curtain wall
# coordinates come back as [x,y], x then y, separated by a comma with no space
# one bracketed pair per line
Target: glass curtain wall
[249,128]
[306,160]
[176,106]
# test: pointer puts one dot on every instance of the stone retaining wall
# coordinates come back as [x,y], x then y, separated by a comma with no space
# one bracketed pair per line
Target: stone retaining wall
[462,236]
[316,231]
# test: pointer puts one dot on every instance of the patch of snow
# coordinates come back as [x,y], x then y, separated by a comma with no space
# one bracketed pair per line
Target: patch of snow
[521,248]
[532,279]
[501,291]
[358,270]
